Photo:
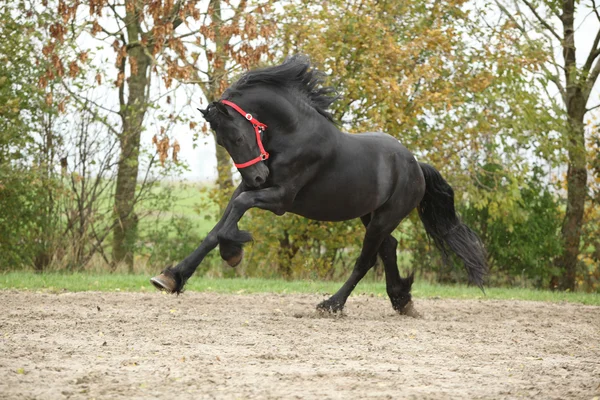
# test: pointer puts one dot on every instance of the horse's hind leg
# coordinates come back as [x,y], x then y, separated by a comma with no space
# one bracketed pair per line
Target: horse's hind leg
[380,227]
[398,289]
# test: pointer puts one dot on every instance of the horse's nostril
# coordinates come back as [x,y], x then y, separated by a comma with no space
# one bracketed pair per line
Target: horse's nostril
[259,180]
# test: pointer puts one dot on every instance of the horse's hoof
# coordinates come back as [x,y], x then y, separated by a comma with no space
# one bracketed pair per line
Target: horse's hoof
[330,306]
[235,260]
[409,310]
[164,282]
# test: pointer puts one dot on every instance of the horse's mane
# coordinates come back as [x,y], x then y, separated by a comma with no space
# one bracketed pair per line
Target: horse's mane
[296,73]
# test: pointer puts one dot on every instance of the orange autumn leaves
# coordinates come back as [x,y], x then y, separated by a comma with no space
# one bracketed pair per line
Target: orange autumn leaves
[162,148]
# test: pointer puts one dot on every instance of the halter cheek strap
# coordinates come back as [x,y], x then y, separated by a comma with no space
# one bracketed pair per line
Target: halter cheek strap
[259,127]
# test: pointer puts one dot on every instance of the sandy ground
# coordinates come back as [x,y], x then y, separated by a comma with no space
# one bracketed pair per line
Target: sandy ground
[265,346]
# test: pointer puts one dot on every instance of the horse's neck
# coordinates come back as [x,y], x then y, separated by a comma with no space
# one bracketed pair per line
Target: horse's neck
[294,122]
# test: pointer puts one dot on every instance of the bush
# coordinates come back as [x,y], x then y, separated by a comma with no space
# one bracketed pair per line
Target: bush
[525,248]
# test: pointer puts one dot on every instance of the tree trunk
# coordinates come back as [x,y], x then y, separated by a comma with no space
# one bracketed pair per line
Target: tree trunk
[287,251]
[577,192]
[224,177]
[575,100]
[132,115]
[219,75]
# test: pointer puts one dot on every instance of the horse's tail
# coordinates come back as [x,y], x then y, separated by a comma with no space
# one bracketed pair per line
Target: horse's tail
[448,232]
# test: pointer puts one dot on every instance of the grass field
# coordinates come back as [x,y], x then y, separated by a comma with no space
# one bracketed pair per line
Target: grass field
[190,201]
[59,282]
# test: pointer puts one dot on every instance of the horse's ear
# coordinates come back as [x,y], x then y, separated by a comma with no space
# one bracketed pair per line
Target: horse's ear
[204,112]
[221,108]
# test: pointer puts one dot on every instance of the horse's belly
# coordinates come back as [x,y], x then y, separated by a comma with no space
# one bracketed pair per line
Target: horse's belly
[328,212]
[333,203]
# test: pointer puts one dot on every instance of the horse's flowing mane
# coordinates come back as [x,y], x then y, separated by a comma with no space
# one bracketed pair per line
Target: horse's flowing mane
[296,73]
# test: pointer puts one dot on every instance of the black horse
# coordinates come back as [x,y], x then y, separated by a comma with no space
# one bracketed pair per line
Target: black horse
[307,166]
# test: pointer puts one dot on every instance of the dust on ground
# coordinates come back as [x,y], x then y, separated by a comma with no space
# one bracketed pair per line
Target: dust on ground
[269,346]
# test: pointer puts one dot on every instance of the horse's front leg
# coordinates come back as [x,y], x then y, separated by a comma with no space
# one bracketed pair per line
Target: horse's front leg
[173,279]
[231,238]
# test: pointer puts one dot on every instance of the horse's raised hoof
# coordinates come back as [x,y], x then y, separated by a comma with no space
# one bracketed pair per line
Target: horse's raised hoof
[235,260]
[330,306]
[164,282]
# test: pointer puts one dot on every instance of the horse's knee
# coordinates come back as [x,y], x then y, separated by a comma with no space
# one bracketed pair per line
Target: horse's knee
[234,236]
[392,242]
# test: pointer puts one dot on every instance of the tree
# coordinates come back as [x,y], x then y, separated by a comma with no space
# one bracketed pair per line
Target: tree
[138,32]
[575,80]
[232,38]
[27,185]
[146,40]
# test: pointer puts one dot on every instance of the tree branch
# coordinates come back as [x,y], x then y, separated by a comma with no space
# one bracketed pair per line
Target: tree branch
[122,87]
[190,33]
[552,77]
[541,20]
[592,108]
[591,80]
[174,15]
[594,52]
[114,10]
[93,112]
[595,9]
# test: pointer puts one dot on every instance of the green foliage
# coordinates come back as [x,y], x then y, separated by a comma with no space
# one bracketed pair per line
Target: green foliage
[175,217]
[27,186]
[295,247]
[20,97]
[23,218]
[169,242]
[525,246]
[521,236]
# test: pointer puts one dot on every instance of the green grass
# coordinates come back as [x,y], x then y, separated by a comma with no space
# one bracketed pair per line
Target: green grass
[190,201]
[58,282]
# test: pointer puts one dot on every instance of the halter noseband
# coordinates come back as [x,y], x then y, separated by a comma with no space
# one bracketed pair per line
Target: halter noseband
[259,127]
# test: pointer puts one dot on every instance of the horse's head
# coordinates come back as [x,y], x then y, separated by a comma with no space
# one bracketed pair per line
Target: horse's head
[237,134]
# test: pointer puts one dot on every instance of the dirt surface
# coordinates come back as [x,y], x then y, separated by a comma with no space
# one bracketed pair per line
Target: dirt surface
[264,346]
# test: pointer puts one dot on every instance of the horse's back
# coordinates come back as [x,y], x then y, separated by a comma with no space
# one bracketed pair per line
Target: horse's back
[380,148]
[397,166]
[378,142]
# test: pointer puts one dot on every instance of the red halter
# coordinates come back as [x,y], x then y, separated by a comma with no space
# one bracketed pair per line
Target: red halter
[259,127]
